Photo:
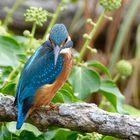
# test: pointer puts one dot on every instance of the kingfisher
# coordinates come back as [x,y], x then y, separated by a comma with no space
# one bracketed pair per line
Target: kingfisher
[44,73]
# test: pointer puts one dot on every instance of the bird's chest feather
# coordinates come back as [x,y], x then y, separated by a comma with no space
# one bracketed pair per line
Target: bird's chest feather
[45,93]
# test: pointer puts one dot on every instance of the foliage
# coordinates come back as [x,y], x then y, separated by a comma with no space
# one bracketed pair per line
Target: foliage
[9,48]
[86,78]
[78,79]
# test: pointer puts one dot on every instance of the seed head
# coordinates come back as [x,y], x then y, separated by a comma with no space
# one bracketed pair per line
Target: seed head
[110,5]
[37,15]
[124,68]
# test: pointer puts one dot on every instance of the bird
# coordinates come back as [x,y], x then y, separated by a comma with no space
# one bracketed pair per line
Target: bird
[44,73]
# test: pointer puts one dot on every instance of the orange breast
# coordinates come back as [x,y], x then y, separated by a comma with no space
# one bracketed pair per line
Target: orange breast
[45,93]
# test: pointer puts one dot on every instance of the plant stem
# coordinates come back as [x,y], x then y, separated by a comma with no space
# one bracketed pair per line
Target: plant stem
[11,12]
[123,31]
[33,29]
[135,80]
[74,22]
[14,71]
[117,77]
[137,53]
[92,33]
[32,35]
[11,75]
[55,16]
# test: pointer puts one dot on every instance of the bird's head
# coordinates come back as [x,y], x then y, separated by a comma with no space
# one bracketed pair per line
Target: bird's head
[60,40]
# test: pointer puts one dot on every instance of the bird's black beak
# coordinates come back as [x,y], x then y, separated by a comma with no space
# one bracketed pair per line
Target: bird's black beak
[56,54]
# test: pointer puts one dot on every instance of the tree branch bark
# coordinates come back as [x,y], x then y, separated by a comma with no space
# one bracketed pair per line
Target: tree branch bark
[76,116]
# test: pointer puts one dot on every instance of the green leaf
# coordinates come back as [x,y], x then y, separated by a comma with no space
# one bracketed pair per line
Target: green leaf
[50,134]
[110,138]
[26,135]
[9,47]
[4,133]
[68,97]
[84,81]
[131,110]
[20,39]
[68,87]
[60,134]
[110,108]
[22,58]
[28,127]
[109,89]
[100,66]
[58,98]
[65,95]
[4,72]
[9,88]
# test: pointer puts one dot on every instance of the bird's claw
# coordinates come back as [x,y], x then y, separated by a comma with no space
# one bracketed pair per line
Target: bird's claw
[53,107]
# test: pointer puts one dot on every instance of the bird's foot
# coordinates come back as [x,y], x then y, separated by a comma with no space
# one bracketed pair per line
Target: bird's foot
[53,107]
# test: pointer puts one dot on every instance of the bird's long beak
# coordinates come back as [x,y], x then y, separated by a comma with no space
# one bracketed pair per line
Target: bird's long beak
[56,54]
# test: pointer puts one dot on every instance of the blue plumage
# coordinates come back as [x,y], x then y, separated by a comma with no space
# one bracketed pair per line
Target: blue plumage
[57,36]
[38,71]
[42,68]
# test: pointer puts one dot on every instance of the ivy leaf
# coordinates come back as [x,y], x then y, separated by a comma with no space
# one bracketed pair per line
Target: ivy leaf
[109,89]
[84,81]
[110,138]
[68,97]
[65,95]
[68,94]
[4,72]
[9,47]
[26,127]
[132,110]
[20,39]
[58,98]
[68,87]
[27,135]
[100,66]
[57,133]
[22,58]
[4,133]
[9,88]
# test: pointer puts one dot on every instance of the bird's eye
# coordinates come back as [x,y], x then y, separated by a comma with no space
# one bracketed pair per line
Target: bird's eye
[66,40]
[53,44]
[63,43]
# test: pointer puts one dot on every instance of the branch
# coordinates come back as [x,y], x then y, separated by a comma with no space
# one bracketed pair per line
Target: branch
[76,116]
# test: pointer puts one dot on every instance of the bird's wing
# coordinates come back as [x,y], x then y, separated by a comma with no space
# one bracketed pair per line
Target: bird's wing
[38,71]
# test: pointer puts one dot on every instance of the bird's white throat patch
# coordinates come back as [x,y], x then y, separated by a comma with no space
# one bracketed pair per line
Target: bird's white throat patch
[66,50]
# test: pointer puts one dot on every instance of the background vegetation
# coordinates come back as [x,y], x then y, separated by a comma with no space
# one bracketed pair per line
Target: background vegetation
[106,59]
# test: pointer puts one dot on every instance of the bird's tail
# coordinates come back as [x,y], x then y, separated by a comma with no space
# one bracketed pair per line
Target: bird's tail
[21,117]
